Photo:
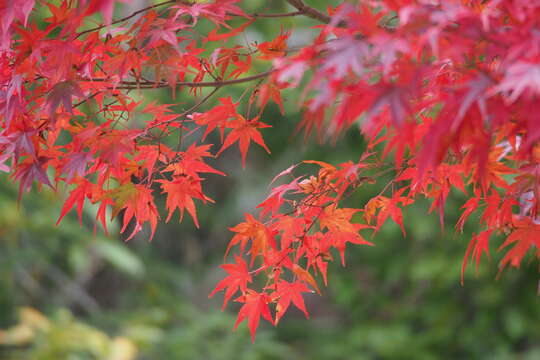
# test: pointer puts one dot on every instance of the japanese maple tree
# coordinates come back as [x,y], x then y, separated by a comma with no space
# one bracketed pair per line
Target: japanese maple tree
[445,92]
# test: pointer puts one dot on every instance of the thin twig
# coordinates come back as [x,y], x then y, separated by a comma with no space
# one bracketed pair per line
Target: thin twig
[86,99]
[191,109]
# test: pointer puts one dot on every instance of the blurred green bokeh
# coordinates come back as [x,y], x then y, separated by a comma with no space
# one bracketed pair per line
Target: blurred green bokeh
[70,292]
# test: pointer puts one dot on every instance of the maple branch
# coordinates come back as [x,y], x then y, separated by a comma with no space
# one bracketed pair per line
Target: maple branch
[126,17]
[86,99]
[309,11]
[183,115]
[145,85]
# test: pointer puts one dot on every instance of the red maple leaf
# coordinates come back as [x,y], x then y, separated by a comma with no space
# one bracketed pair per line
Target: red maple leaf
[479,244]
[524,237]
[75,164]
[244,132]
[272,91]
[180,193]
[290,292]
[76,196]
[138,202]
[217,117]
[30,170]
[62,93]
[237,279]
[11,10]
[255,306]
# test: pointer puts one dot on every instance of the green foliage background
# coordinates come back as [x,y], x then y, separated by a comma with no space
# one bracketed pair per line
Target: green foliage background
[102,298]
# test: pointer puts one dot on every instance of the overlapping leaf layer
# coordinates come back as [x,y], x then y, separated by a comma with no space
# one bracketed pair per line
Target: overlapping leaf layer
[448,90]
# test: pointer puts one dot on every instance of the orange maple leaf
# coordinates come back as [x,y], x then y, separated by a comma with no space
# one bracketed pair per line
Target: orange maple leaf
[274,48]
[338,219]
[261,237]
[305,276]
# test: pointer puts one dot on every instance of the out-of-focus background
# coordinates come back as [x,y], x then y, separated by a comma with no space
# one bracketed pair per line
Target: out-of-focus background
[70,292]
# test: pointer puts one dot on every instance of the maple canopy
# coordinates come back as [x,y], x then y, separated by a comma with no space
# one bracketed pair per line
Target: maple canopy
[446,92]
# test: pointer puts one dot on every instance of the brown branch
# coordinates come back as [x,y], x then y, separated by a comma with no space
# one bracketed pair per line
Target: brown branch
[309,11]
[146,85]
